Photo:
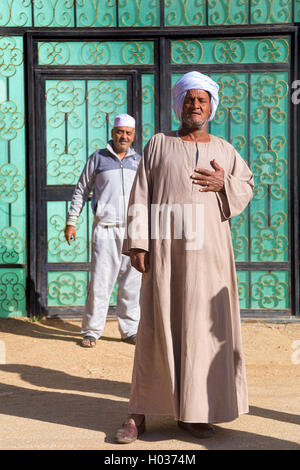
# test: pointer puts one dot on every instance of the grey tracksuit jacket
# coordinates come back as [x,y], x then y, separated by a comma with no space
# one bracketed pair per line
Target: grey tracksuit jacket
[111,180]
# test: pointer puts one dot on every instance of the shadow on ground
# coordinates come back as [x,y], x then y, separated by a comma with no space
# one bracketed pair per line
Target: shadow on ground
[56,397]
[55,329]
[58,380]
[74,409]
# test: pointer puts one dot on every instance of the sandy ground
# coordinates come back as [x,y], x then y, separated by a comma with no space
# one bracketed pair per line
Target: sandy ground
[54,394]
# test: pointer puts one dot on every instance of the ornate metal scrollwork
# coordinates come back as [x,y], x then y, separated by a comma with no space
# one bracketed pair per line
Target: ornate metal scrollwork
[268,291]
[66,289]
[58,248]
[12,292]
[11,183]
[11,245]
[232,92]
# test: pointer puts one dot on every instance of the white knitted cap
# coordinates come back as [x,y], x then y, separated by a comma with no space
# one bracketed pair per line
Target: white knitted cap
[124,120]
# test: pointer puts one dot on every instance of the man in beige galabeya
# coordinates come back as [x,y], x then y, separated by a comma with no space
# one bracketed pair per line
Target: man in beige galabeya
[188,359]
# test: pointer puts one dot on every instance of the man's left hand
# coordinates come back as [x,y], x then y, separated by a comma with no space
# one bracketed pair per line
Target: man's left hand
[210,180]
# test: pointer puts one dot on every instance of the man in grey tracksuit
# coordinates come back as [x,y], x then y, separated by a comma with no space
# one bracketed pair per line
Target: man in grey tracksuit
[109,173]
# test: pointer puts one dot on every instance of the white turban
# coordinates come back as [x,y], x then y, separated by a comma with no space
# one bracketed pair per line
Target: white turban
[124,120]
[194,81]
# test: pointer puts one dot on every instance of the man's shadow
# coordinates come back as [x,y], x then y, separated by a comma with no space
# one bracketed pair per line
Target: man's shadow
[58,380]
[69,409]
[105,415]
[222,376]
[227,362]
[224,439]
[225,367]
[55,329]
[70,405]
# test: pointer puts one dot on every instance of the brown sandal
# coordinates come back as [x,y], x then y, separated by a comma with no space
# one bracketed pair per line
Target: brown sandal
[200,430]
[88,342]
[129,432]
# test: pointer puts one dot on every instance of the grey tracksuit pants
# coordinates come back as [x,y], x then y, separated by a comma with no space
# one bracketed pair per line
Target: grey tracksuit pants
[109,266]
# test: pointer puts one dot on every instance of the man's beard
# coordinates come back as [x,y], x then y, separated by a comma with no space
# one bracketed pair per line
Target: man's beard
[190,124]
[119,148]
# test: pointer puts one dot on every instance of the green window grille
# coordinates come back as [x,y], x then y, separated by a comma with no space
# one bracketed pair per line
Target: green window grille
[67,288]
[234,51]
[79,120]
[96,53]
[59,251]
[297,11]
[79,116]
[12,292]
[148,107]
[12,178]
[263,290]
[145,13]
[253,116]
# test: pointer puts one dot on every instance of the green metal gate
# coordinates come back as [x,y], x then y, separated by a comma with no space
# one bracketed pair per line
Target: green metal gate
[79,116]
[75,118]
[253,115]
